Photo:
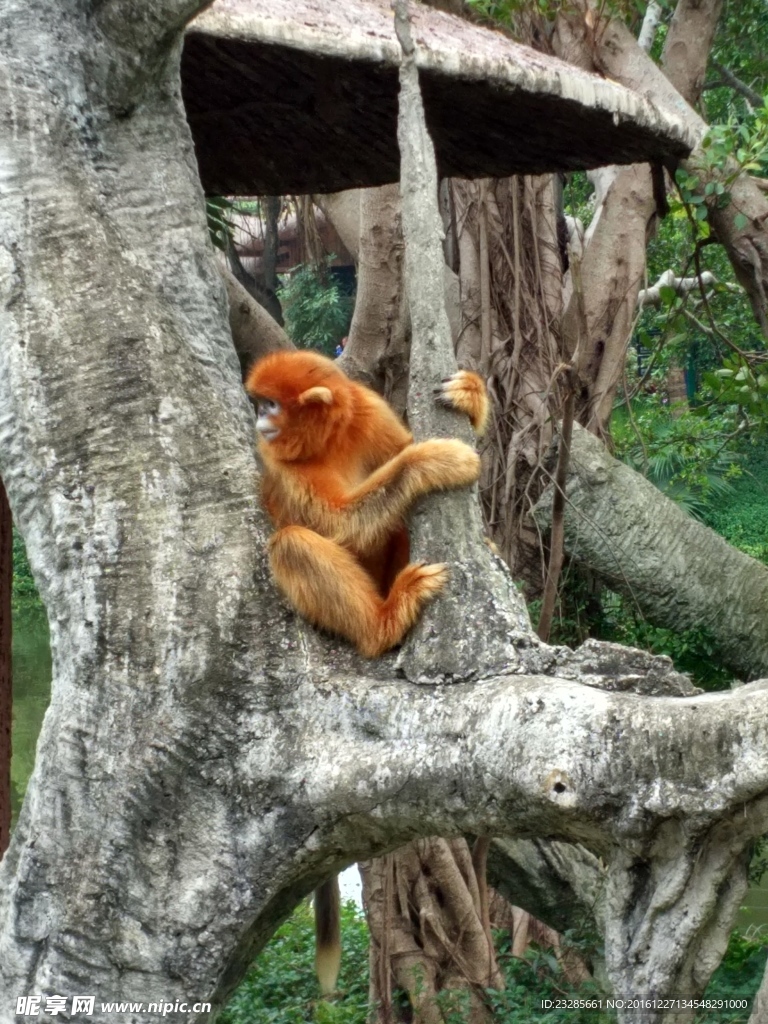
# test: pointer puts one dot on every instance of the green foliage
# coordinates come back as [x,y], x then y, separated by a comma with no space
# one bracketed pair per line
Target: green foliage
[758,863]
[280,987]
[219,211]
[689,330]
[691,458]
[717,477]
[502,12]
[536,978]
[727,150]
[584,610]
[742,384]
[317,312]
[740,973]
[742,516]
[692,650]
[741,45]
[24,590]
[578,197]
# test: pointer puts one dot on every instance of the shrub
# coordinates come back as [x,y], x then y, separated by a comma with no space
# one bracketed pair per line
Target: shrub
[317,312]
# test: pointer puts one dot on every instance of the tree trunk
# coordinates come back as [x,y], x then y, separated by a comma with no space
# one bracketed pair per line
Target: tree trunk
[684,61]
[680,573]
[256,288]
[272,207]
[626,205]
[525,281]
[622,224]
[427,934]
[207,758]
[254,331]
[377,350]
[368,222]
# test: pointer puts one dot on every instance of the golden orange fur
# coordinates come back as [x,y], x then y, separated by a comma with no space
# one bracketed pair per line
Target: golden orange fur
[340,474]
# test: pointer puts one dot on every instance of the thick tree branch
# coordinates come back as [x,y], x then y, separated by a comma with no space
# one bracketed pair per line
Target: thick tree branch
[653,15]
[688,44]
[561,884]
[681,285]
[679,572]
[185,692]
[377,350]
[6,677]
[254,331]
[507,725]
[431,356]
[751,95]
[146,38]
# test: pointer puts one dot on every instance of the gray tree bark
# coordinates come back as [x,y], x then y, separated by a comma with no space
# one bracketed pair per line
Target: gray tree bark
[254,331]
[206,758]
[379,336]
[369,223]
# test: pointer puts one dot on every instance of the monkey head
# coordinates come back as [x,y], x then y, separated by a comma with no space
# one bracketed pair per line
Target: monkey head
[302,401]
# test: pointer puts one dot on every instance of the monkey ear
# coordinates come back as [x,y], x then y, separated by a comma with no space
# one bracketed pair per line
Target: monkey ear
[319,394]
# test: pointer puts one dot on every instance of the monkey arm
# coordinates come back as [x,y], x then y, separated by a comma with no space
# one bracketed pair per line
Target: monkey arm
[366,515]
[379,434]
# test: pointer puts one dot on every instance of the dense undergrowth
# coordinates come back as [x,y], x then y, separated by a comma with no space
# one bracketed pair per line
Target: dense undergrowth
[24,591]
[280,986]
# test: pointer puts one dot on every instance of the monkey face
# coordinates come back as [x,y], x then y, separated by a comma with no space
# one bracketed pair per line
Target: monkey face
[268,414]
[302,400]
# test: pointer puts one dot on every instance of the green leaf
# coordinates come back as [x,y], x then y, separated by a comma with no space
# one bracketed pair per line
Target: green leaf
[740,221]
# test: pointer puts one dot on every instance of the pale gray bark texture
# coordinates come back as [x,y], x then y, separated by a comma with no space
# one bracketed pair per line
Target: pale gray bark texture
[377,350]
[559,883]
[206,758]
[254,331]
[369,223]
[680,573]
[481,590]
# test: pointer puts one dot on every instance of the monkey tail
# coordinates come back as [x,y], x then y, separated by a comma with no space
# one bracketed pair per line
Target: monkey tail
[328,934]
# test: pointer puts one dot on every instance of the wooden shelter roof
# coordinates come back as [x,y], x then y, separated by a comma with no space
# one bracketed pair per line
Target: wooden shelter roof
[301,96]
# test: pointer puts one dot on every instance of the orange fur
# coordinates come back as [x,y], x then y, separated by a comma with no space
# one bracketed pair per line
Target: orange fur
[466,392]
[340,474]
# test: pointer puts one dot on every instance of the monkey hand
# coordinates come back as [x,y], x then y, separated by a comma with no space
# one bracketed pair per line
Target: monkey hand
[465,392]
